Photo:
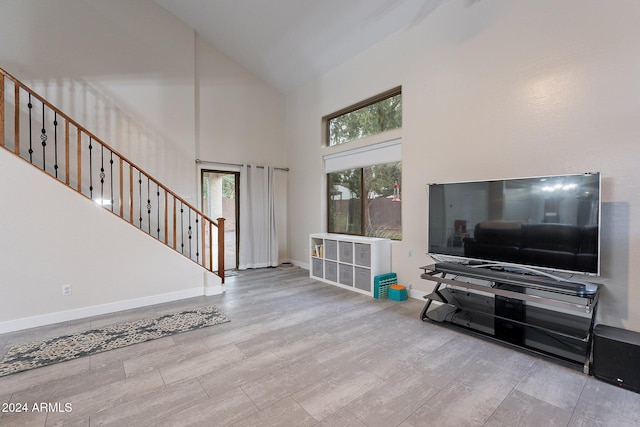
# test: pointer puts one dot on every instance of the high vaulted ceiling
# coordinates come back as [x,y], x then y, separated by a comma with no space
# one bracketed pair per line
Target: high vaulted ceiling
[289,42]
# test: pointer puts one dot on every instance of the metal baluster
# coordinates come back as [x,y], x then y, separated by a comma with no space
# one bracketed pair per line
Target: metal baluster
[140,197]
[55,141]
[181,228]
[197,240]
[149,204]
[30,105]
[189,232]
[90,168]
[102,174]
[43,139]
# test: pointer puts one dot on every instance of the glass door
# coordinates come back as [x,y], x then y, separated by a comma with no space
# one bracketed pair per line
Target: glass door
[220,200]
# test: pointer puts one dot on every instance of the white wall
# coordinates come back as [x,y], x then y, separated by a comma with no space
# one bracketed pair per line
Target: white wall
[52,237]
[130,72]
[122,69]
[495,89]
[240,119]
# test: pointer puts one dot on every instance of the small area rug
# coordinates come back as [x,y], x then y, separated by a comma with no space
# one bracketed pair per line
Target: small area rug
[47,352]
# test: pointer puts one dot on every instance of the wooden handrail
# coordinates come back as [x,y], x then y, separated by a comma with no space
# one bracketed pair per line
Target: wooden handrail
[80,131]
[87,132]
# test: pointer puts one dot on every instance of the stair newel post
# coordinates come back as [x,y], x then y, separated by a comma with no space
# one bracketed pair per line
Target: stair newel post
[210,230]
[221,248]
[204,246]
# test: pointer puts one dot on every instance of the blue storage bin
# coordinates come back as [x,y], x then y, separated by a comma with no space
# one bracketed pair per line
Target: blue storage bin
[397,293]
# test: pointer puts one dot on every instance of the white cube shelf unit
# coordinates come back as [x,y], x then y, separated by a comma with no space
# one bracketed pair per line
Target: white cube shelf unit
[350,262]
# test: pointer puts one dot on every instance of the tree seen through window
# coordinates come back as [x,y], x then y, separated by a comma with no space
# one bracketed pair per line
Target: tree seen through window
[371,119]
[366,201]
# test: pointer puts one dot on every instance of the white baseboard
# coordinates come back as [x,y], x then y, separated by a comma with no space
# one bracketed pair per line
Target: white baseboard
[96,310]
[217,289]
[213,284]
[411,293]
[416,294]
[300,264]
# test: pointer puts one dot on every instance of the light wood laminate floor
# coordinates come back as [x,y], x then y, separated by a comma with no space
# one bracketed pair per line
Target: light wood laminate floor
[298,352]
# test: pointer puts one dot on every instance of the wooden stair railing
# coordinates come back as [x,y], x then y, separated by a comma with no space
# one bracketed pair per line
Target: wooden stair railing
[55,143]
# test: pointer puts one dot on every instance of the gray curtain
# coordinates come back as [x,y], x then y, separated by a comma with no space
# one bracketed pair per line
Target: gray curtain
[258,233]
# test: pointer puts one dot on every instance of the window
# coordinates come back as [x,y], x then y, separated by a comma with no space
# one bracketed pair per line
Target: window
[366,201]
[370,117]
[363,184]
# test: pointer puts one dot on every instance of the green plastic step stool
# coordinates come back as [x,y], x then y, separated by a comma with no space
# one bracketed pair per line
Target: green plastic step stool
[381,284]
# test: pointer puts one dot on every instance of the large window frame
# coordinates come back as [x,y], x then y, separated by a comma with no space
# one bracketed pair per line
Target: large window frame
[397,91]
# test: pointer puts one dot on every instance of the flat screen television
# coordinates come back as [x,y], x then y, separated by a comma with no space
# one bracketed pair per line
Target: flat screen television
[549,223]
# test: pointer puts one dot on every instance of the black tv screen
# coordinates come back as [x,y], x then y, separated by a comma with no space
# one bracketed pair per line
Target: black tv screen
[549,222]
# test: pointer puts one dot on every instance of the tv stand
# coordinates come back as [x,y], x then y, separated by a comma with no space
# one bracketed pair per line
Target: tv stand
[545,314]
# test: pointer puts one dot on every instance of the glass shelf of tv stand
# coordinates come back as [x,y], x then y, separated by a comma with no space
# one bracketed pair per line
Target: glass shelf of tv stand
[475,309]
[524,310]
[579,296]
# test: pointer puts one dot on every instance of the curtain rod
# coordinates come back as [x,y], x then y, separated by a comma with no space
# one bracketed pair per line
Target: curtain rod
[198,161]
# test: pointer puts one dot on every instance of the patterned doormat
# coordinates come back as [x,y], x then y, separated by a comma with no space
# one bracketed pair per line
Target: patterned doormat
[47,352]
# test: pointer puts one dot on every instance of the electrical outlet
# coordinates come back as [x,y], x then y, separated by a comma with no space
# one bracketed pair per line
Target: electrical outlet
[66,290]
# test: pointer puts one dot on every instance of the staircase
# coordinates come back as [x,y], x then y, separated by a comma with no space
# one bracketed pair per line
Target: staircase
[39,133]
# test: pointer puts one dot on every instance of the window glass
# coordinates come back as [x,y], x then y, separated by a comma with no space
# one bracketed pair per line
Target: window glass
[383,209]
[376,117]
[345,207]
[366,201]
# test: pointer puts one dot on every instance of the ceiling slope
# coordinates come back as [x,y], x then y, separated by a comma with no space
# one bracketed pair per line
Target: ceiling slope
[287,43]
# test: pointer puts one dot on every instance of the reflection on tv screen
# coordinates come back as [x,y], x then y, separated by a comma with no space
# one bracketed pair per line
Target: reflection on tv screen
[549,222]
